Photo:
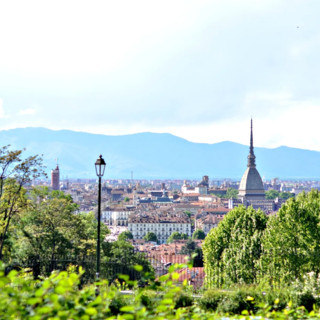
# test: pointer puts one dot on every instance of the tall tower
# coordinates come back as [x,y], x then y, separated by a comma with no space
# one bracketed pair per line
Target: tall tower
[55,178]
[251,186]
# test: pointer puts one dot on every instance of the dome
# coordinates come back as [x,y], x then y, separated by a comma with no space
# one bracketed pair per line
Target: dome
[251,183]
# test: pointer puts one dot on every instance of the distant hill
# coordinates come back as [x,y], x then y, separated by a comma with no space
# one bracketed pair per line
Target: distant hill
[157,155]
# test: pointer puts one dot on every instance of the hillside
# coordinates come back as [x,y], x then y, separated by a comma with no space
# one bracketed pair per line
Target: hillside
[153,155]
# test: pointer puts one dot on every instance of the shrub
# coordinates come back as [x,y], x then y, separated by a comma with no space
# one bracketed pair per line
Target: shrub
[183,299]
[211,299]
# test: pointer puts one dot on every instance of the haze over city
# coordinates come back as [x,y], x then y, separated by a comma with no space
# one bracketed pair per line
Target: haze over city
[198,70]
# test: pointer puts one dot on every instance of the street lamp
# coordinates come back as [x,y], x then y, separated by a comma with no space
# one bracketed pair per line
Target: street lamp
[100,167]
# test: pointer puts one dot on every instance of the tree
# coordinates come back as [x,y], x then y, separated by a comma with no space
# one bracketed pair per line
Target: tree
[119,257]
[188,213]
[286,195]
[232,250]
[125,235]
[15,173]
[232,193]
[150,236]
[177,236]
[272,194]
[292,240]
[50,227]
[198,235]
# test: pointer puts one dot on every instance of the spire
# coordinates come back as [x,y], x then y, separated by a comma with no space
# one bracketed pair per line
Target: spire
[251,156]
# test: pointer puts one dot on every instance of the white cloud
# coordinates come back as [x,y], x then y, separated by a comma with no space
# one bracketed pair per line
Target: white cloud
[2,113]
[26,112]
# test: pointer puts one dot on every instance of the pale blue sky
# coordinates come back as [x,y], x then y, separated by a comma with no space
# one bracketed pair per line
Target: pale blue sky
[196,69]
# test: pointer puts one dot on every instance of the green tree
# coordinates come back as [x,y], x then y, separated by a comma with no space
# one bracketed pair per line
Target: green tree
[188,213]
[286,195]
[125,235]
[272,194]
[292,239]
[198,235]
[150,236]
[232,250]
[50,227]
[232,193]
[120,257]
[177,236]
[16,171]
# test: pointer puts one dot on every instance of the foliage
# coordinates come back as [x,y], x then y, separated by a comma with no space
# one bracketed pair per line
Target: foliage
[271,194]
[286,195]
[198,235]
[292,240]
[177,236]
[15,173]
[150,236]
[189,247]
[120,257]
[232,250]
[232,193]
[50,227]
[125,235]
[60,297]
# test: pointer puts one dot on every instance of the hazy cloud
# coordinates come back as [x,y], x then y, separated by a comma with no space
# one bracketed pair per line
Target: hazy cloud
[196,69]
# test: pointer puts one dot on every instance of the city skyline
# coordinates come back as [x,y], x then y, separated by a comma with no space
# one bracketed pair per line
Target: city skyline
[197,70]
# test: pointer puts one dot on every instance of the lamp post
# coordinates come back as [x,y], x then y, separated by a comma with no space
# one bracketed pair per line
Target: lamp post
[100,167]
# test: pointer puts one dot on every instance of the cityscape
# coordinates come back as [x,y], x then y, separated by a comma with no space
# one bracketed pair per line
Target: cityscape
[159,160]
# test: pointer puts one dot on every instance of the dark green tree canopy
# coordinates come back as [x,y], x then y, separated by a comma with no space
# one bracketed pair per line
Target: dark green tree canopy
[198,235]
[177,236]
[150,236]
[125,235]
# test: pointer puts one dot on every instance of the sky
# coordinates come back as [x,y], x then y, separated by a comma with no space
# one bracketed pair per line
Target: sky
[197,69]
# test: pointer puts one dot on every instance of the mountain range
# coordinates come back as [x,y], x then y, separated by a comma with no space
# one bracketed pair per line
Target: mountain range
[157,156]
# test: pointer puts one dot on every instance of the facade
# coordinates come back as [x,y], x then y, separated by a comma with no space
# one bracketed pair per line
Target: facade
[201,188]
[163,224]
[117,216]
[251,185]
[55,178]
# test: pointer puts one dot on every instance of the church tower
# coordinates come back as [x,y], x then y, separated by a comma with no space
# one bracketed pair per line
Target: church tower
[55,178]
[251,186]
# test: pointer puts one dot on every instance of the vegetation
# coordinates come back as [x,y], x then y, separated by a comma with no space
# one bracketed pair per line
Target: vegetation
[232,250]
[125,235]
[61,296]
[292,240]
[232,193]
[273,194]
[198,235]
[150,236]
[177,236]
[16,172]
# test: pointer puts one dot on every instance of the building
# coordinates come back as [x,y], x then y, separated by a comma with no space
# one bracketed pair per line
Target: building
[117,216]
[163,224]
[251,185]
[201,188]
[55,178]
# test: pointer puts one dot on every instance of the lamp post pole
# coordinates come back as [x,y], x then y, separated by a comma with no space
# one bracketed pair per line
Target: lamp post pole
[100,167]
[99,228]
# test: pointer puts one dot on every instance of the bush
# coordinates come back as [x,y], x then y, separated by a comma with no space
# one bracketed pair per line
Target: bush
[118,302]
[183,299]
[235,302]
[211,299]
[148,298]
